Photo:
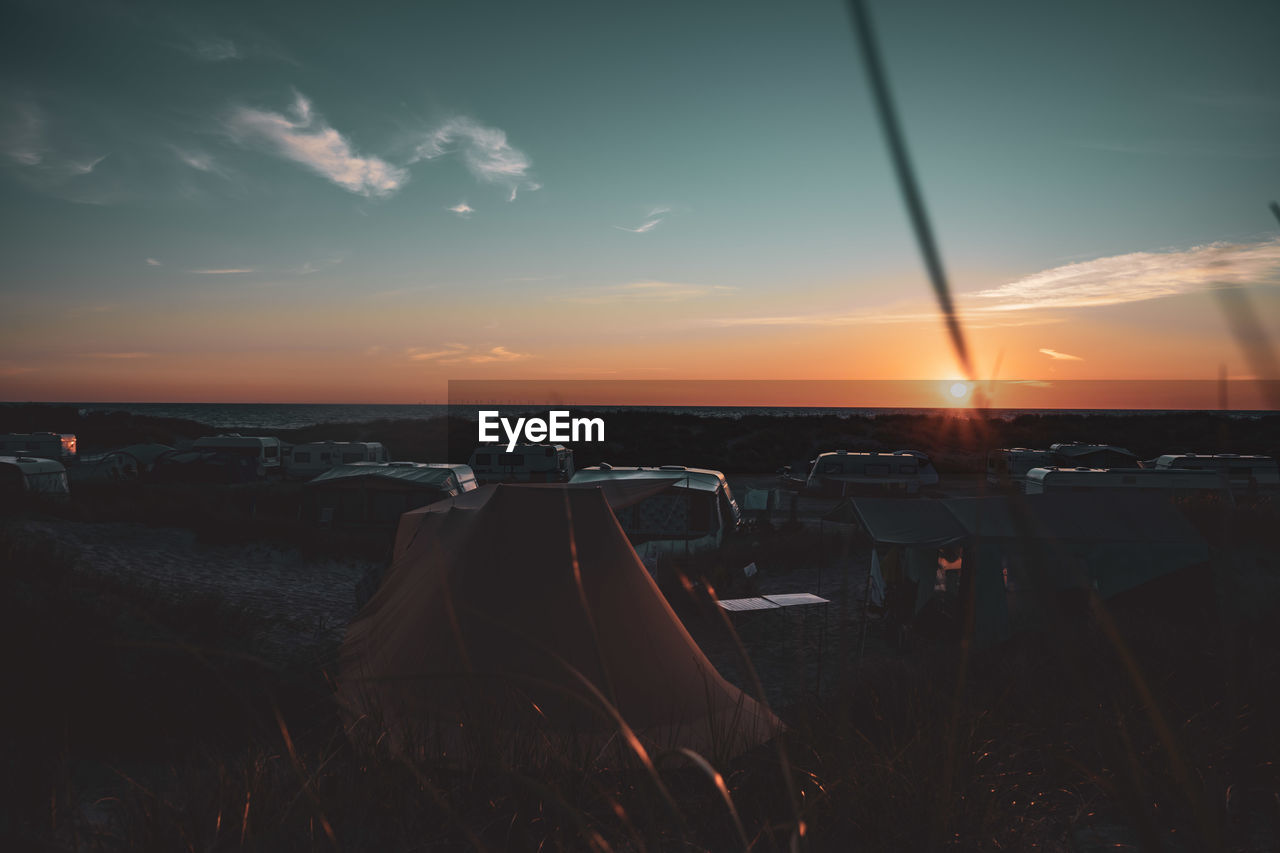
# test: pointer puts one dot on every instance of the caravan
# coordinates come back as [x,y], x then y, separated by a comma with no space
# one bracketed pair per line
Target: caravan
[25,480]
[524,463]
[304,461]
[41,445]
[840,472]
[1245,474]
[1171,481]
[693,514]
[1008,467]
[265,449]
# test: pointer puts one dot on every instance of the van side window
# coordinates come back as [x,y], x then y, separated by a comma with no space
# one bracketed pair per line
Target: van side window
[272,451]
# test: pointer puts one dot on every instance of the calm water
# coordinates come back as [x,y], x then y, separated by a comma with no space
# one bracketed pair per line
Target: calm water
[278,416]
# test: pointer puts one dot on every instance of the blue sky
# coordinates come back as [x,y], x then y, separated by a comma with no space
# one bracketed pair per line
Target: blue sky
[432,191]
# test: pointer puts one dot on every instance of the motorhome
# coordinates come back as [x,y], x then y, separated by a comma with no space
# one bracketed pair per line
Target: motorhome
[304,461]
[27,479]
[1171,481]
[838,473]
[1245,474]
[266,449]
[1077,454]
[692,515]
[378,493]
[41,445]
[1008,467]
[524,463]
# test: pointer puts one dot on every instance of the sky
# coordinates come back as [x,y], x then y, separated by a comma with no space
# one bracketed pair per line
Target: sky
[319,202]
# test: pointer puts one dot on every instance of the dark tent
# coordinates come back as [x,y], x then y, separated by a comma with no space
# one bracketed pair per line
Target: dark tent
[528,599]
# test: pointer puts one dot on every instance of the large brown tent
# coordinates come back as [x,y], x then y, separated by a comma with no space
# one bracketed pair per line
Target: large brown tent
[527,603]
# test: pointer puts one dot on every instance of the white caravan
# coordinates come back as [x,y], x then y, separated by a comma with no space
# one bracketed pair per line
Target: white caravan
[304,461]
[26,479]
[266,449]
[690,516]
[841,472]
[1008,467]
[1244,474]
[41,445]
[1171,481]
[524,463]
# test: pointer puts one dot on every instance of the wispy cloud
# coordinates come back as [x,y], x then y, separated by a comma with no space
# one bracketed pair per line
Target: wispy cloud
[1060,356]
[24,138]
[652,219]
[128,356]
[462,209]
[16,371]
[1137,277]
[485,152]
[306,139]
[152,262]
[198,160]
[225,271]
[645,291]
[214,49]
[464,354]
[1114,280]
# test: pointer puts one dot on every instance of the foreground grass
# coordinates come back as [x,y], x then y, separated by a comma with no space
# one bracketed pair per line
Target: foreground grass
[139,722]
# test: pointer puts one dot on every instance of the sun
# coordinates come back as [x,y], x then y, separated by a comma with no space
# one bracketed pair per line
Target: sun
[958,390]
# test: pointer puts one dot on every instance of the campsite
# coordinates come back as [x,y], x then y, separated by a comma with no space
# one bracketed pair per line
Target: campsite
[215,660]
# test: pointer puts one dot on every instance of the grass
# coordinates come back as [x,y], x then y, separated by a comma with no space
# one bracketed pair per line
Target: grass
[147,723]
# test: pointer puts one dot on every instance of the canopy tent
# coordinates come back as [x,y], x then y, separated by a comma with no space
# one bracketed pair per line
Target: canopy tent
[527,597]
[1108,542]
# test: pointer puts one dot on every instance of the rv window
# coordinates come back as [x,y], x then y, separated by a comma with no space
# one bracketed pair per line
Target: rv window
[352,457]
[272,451]
[511,459]
[302,456]
[907,469]
[482,459]
[324,457]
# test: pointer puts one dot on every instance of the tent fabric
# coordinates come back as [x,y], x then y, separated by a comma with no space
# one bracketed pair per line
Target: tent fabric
[1095,517]
[526,592]
[904,521]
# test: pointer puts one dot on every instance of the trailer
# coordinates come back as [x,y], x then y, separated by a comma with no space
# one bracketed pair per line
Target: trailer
[1170,481]
[838,473]
[41,445]
[28,480]
[304,461]
[267,450]
[524,463]
[1244,474]
[1008,467]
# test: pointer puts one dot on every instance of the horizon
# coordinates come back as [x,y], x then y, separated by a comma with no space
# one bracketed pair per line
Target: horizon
[255,212]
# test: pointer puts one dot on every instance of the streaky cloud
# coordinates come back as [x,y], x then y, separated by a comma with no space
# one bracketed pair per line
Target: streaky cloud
[645,291]
[464,354]
[1059,356]
[485,151]
[306,139]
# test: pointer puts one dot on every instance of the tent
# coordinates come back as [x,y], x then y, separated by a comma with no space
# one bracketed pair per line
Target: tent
[1107,542]
[526,604]
[378,493]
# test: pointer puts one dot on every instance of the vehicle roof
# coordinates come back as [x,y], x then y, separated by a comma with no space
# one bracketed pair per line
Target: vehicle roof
[422,473]
[699,479]
[33,464]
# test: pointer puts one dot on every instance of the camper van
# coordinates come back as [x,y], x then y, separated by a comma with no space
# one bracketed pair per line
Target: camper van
[525,463]
[266,449]
[1245,474]
[1077,454]
[26,479]
[1171,481]
[304,461]
[690,516]
[378,493]
[840,472]
[1008,467]
[41,445]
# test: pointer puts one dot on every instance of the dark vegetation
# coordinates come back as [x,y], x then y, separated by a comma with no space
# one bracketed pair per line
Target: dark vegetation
[752,444]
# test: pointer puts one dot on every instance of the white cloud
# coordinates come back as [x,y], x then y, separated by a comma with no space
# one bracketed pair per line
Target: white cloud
[214,49]
[1060,356]
[642,229]
[464,354]
[308,140]
[225,271]
[152,262]
[645,291]
[127,356]
[485,152]
[463,210]
[1114,280]
[197,160]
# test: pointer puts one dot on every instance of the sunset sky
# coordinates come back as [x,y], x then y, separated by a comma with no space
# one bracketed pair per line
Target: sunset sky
[319,202]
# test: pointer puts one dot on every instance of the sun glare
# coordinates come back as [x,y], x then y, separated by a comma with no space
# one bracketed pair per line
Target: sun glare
[958,390]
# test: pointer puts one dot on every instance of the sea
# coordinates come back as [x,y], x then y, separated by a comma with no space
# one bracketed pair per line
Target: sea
[286,416]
